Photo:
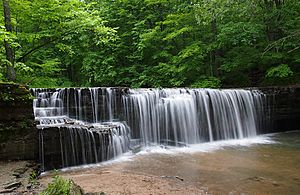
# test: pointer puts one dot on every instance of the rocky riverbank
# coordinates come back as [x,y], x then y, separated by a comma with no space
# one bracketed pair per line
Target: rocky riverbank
[18,133]
[114,181]
[19,177]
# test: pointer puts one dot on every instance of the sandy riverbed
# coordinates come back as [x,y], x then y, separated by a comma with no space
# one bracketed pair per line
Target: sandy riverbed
[257,169]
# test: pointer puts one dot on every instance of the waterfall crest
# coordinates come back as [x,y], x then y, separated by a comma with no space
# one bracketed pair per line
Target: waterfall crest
[193,115]
[97,124]
[77,126]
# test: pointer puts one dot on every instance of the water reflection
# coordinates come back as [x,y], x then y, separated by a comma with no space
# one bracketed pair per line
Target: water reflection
[259,169]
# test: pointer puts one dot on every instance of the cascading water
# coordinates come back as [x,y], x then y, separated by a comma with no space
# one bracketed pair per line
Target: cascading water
[86,119]
[76,120]
[188,116]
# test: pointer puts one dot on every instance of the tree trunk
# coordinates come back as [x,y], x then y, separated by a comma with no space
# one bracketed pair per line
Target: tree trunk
[10,55]
[273,30]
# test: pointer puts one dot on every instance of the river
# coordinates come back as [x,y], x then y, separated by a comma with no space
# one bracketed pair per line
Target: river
[266,164]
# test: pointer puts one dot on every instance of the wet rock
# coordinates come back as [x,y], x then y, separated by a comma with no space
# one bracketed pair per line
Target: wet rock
[275,183]
[18,172]
[30,164]
[76,189]
[5,191]
[13,185]
[256,178]
[296,179]
[172,177]
[28,186]
[17,129]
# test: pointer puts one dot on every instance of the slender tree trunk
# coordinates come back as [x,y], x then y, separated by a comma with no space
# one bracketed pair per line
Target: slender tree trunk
[10,55]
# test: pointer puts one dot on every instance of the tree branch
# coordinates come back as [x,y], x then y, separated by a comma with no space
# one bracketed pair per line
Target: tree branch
[34,49]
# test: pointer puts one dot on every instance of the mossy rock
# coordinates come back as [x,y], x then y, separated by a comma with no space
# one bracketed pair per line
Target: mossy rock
[10,92]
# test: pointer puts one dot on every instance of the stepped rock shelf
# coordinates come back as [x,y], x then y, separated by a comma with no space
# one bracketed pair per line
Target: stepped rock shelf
[89,125]
[75,126]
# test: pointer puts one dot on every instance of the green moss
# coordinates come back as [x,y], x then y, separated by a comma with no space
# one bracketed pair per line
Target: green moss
[10,92]
[5,97]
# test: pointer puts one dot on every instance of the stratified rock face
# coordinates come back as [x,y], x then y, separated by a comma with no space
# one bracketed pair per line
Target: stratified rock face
[79,126]
[19,137]
[78,144]
[283,108]
[18,134]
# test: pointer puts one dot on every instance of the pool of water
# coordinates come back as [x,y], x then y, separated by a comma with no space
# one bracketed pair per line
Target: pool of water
[266,164]
[269,166]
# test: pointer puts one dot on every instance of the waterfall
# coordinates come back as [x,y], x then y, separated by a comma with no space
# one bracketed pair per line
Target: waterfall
[90,125]
[73,128]
[191,116]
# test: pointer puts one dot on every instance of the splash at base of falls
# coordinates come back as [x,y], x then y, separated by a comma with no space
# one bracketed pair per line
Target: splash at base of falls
[76,144]
[66,142]
[89,125]
[172,151]
[190,116]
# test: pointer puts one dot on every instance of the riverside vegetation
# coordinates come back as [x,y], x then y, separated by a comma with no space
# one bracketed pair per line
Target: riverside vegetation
[147,43]
[150,43]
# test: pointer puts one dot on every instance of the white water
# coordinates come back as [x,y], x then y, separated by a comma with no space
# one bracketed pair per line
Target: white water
[208,146]
[192,116]
[174,151]
[80,141]
[169,117]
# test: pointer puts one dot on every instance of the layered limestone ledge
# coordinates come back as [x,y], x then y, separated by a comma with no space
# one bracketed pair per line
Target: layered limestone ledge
[18,133]
[283,108]
[19,136]
[72,145]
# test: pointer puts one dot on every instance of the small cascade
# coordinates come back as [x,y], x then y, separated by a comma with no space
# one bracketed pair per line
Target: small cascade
[90,125]
[72,127]
[86,145]
[48,108]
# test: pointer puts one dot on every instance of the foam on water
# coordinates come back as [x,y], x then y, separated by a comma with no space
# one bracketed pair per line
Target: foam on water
[173,151]
[98,124]
[128,156]
[209,146]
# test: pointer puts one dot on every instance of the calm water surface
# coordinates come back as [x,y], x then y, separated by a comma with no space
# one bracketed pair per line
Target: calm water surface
[272,168]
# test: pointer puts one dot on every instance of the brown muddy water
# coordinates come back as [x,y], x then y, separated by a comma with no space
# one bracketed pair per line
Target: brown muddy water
[270,166]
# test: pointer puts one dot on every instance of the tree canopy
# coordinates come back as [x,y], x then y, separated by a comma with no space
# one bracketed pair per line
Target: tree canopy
[150,43]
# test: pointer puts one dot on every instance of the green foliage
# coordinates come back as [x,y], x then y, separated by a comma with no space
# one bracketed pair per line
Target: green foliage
[281,71]
[59,185]
[11,92]
[33,178]
[153,43]
[1,76]
[207,82]
[5,97]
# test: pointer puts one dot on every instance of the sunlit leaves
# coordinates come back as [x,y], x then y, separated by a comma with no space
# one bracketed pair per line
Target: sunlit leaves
[239,33]
[207,82]
[281,71]
[154,43]
[48,34]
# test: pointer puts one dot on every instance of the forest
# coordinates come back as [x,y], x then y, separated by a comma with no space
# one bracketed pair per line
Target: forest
[150,43]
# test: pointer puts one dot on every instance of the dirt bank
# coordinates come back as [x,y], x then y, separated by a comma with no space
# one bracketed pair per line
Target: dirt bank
[113,180]
[19,177]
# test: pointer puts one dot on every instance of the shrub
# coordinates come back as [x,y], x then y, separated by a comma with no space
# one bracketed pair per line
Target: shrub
[281,71]
[59,185]
[207,82]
